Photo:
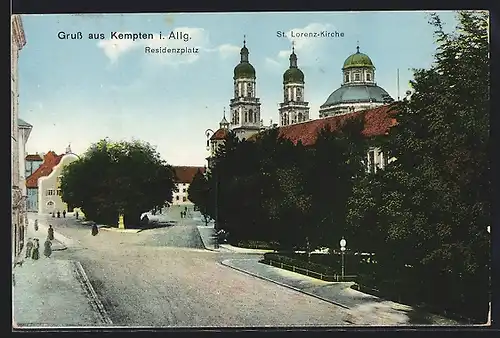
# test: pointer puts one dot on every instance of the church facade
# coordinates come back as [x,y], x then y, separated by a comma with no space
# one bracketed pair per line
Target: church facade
[358,92]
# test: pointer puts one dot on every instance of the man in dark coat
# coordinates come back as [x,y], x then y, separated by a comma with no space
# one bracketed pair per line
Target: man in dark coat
[64,213]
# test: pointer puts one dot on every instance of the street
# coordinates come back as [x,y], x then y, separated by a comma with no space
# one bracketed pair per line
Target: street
[165,277]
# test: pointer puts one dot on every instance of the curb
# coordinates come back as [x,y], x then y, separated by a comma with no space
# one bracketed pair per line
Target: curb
[125,231]
[225,263]
[95,302]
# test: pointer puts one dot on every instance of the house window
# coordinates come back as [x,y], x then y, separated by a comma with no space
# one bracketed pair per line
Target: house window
[368,77]
[50,203]
[50,192]
[357,77]
[177,197]
[184,199]
[184,190]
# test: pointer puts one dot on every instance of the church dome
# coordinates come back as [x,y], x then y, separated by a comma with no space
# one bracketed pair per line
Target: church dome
[359,93]
[293,75]
[358,60]
[244,70]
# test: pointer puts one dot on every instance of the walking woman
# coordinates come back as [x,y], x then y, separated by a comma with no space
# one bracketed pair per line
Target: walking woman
[50,233]
[95,230]
[35,254]
[36,225]
[47,250]
[29,248]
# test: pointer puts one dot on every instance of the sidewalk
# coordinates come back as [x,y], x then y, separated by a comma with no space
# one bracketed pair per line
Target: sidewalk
[50,292]
[43,227]
[207,237]
[363,309]
[42,235]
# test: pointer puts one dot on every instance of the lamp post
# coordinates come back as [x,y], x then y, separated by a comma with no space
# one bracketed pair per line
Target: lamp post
[208,133]
[342,249]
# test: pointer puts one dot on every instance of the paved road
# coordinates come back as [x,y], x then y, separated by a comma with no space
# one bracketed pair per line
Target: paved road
[163,277]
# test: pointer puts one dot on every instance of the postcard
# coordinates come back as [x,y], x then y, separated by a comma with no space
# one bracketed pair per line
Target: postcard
[250,170]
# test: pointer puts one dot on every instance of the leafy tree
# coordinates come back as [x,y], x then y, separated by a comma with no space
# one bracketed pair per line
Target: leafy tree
[126,178]
[436,202]
[199,194]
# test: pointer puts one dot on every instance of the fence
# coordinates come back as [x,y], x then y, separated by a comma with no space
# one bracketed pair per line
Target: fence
[310,273]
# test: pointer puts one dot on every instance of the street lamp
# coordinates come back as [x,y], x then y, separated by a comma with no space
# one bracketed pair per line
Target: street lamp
[208,133]
[342,249]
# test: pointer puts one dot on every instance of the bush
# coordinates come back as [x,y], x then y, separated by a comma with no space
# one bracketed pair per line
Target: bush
[249,244]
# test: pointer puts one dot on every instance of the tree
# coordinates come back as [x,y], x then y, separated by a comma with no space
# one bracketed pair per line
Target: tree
[126,178]
[436,207]
[199,194]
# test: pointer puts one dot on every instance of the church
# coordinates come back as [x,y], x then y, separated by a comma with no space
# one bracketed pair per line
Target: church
[358,92]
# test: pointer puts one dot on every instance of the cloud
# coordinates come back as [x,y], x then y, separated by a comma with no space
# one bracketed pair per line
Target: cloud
[227,50]
[198,39]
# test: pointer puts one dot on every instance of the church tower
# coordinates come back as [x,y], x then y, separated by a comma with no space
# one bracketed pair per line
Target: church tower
[245,106]
[293,109]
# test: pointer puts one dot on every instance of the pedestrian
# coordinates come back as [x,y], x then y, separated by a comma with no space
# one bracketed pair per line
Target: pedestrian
[53,213]
[36,225]
[64,213]
[182,214]
[29,248]
[76,214]
[58,214]
[35,253]
[50,233]
[95,230]
[47,250]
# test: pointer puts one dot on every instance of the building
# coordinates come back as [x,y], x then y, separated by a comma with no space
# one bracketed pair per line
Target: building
[32,163]
[245,105]
[50,160]
[358,91]
[17,42]
[293,109]
[377,122]
[49,192]
[24,131]
[183,177]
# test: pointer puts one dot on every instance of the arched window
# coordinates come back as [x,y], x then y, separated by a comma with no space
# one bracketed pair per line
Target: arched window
[347,77]
[250,116]
[357,77]
[368,77]
[246,117]
[255,119]
[300,117]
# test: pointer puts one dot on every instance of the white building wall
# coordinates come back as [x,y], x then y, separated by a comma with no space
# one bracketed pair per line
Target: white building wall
[181,196]
[49,199]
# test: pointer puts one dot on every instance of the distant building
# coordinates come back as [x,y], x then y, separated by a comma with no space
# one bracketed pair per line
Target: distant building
[49,191]
[184,177]
[50,160]
[358,91]
[24,131]
[18,203]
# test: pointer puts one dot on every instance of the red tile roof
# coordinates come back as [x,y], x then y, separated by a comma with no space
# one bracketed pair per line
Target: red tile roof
[33,157]
[377,122]
[50,160]
[220,134]
[185,174]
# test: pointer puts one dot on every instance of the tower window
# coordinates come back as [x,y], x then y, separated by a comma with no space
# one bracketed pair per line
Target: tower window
[255,119]
[246,117]
[250,116]
[300,117]
[347,78]
[357,77]
[368,77]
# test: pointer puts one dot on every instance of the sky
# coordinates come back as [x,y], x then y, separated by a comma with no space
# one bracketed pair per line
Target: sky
[78,91]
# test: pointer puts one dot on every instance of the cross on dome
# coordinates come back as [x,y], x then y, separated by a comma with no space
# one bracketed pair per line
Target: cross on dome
[244,40]
[357,46]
